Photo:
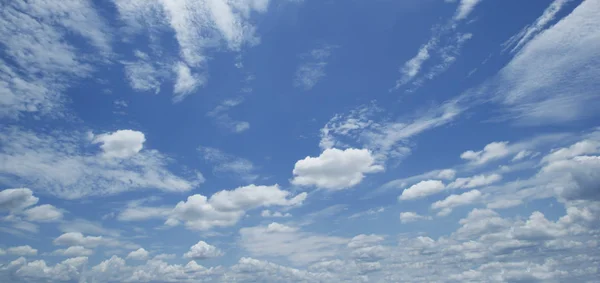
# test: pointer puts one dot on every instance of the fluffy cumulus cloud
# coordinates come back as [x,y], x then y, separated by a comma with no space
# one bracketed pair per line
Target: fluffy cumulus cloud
[422,189]
[202,250]
[22,251]
[490,152]
[139,254]
[335,169]
[446,205]
[16,199]
[63,164]
[222,209]
[74,251]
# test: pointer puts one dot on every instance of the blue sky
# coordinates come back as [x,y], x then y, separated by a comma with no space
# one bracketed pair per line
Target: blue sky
[299,141]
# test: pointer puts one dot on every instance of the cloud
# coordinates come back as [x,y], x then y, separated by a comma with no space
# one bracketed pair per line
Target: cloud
[386,139]
[530,31]
[276,214]
[474,181]
[144,74]
[17,199]
[554,70]
[492,151]
[63,164]
[74,251]
[22,251]
[44,213]
[407,217]
[202,250]
[335,169]
[224,119]
[310,72]
[580,148]
[139,254]
[465,7]
[78,239]
[422,189]
[186,82]
[277,240]
[581,176]
[38,64]
[446,205]
[120,144]
[229,164]
[226,208]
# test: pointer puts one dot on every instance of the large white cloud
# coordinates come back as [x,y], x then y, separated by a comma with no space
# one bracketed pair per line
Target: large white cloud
[22,251]
[446,205]
[44,213]
[335,169]
[139,254]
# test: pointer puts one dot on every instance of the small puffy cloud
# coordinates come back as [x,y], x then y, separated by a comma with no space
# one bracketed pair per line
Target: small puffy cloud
[120,144]
[335,169]
[446,205]
[139,254]
[422,189]
[407,217]
[275,214]
[43,213]
[475,181]
[203,250]
[490,152]
[17,199]
[74,251]
[279,228]
[22,251]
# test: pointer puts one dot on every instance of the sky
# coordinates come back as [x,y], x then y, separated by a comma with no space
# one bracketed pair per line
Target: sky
[299,141]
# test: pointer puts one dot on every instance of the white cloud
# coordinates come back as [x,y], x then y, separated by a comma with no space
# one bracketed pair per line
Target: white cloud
[144,74]
[227,163]
[121,143]
[139,254]
[412,67]
[422,189]
[78,239]
[407,217]
[580,177]
[310,72]
[276,214]
[43,213]
[74,251]
[225,208]
[580,148]
[465,7]
[17,199]
[202,250]
[492,151]
[335,169]
[22,251]
[223,118]
[58,164]
[386,139]
[372,211]
[530,31]
[283,241]
[38,62]
[275,227]
[186,82]
[446,205]
[554,70]
[475,181]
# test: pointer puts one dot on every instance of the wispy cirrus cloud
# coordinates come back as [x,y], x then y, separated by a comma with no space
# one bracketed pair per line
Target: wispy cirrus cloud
[312,70]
